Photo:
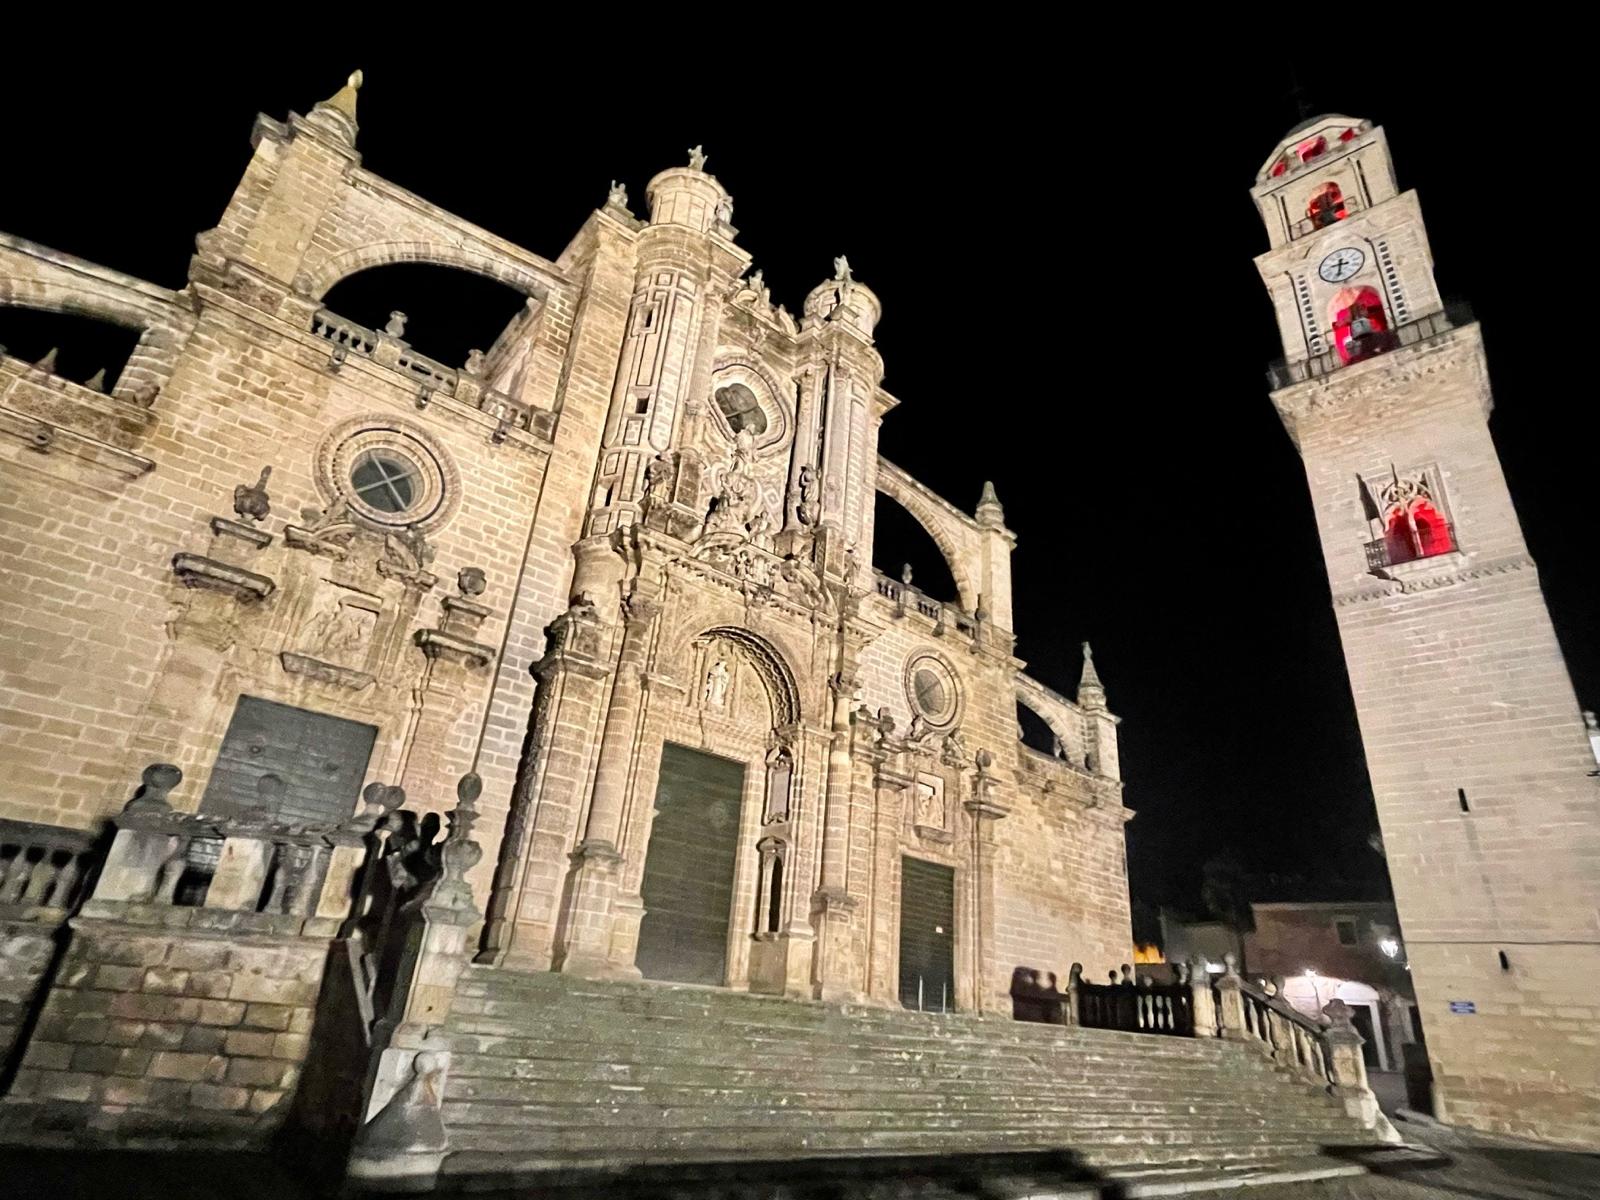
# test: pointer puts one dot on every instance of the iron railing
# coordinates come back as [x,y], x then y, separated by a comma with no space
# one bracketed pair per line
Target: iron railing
[1287,372]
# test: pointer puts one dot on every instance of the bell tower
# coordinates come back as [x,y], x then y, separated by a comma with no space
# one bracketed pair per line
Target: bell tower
[1474,740]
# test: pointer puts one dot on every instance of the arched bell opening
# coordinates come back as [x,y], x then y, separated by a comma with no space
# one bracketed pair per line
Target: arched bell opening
[1360,325]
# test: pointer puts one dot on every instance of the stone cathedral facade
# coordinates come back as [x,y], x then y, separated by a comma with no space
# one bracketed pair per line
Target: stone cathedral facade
[617,563]
[1479,757]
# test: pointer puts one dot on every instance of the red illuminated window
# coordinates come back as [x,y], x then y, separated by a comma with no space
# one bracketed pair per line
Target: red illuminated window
[1416,530]
[1360,327]
[1348,135]
[1308,150]
[1326,207]
[1279,167]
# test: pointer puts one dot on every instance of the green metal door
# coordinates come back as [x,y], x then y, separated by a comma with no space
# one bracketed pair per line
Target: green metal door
[927,935]
[688,869]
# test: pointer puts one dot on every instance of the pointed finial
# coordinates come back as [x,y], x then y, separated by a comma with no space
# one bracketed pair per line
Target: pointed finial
[697,158]
[48,362]
[989,511]
[1091,692]
[337,114]
[97,381]
[345,98]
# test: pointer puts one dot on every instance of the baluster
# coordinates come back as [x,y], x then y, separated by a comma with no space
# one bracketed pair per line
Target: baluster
[15,878]
[66,882]
[40,878]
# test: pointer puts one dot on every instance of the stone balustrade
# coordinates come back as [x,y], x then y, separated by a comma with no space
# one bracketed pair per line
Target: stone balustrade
[908,598]
[1325,1053]
[160,858]
[430,376]
[43,866]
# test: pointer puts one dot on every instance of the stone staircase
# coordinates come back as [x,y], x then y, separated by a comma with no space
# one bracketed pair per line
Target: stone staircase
[555,1074]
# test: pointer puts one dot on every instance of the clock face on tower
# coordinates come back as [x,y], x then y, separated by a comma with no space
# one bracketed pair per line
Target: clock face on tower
[1341,265]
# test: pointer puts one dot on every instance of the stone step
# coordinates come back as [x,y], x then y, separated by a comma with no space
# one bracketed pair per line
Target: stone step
[554,1146]
[706,1049]
[1071,1126]
[514,1092]
[550,1073]
[1009,1036]
[869,1091]
[702,1004]
[512,1022]
[581,1066]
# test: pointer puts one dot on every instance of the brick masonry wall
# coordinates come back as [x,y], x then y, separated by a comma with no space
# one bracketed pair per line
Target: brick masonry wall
[161,1035]
[26,948]
[1461,688]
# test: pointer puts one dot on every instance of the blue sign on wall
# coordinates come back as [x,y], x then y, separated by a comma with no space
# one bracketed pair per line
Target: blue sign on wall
[1463,1007]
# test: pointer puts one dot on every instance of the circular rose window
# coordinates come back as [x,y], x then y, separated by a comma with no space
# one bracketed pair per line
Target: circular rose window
[932,690]
[391,474]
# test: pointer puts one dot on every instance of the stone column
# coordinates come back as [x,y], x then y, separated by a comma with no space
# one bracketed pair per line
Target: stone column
[584,944]
[548,800]
[890,789]
[832,907]
[404,1137]
[1348,1068]
[989,994]
[1204,1000]
[1230,1000]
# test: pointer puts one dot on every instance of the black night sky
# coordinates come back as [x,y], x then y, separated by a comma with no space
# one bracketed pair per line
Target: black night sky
[1070,306]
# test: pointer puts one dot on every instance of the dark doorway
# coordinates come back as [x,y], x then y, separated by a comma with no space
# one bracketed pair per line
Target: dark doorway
[1361,1018]
[688,869]
[284,763]
[927,936]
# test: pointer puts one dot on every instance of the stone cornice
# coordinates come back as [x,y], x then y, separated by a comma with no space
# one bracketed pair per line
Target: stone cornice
[1383,589]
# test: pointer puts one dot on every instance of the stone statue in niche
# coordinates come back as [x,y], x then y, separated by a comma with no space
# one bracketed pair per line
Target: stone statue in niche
[659,474]
[930,803]
[808,510]
[724,210]
[252,504]
[761,530]
[738,497]
[716,690]
[852,571]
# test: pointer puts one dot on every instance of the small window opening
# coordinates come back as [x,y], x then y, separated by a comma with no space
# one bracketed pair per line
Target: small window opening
[1312,148]
[741,408]
[387,482]
[1327,206]
[1416,530]
[775,901]
[1360,326]
[1461,794]
[1346,931]
[1505,961]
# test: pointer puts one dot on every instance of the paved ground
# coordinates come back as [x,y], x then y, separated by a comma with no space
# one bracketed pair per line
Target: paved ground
[1460,1168]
